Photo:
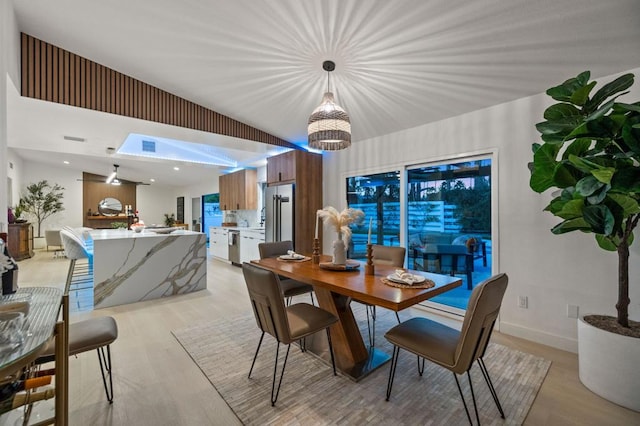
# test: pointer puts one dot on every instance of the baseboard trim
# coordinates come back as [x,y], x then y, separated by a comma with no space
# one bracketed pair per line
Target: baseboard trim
[553,340]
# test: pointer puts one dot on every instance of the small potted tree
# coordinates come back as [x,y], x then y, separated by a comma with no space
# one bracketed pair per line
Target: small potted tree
[41,201]
[591,156]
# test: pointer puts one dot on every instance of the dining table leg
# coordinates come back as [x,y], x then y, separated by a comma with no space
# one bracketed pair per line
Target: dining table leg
[351,354]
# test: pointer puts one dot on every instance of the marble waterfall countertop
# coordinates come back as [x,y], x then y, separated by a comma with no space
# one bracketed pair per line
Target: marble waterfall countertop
[131,267]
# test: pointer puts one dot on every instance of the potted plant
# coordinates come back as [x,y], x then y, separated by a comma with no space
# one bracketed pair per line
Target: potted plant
[169,219]
[41,201]
[591,155]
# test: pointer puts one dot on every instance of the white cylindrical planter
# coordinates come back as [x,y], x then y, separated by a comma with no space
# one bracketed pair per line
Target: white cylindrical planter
[608,364]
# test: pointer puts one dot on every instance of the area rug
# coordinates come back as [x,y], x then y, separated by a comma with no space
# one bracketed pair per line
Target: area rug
[310,394]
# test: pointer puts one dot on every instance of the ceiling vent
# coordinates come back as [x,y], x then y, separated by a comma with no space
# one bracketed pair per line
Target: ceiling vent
[74,138]
[148,146]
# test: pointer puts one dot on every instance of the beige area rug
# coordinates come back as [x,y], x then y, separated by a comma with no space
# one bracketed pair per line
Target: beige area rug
[311,395]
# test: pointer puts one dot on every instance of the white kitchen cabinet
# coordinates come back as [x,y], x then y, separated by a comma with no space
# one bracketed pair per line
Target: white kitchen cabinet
[249,240]
[219,242]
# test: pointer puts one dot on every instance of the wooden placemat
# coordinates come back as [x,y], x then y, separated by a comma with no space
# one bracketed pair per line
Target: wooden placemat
[304,259]
[427,283]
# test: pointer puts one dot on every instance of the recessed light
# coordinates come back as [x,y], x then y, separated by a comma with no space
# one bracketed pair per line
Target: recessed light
[152,180]
[176,168]
[65,162]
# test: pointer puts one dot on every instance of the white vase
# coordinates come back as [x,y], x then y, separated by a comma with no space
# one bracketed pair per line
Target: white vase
[339,251]
[608,364]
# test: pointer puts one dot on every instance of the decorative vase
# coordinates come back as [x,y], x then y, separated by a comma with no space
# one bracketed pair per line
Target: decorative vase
[339,251]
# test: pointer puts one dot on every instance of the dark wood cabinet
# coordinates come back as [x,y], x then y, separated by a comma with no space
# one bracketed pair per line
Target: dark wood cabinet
[304,170]
[239,190]
[20,240]
[282,168]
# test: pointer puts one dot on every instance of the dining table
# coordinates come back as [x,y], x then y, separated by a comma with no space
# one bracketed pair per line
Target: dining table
[335,288]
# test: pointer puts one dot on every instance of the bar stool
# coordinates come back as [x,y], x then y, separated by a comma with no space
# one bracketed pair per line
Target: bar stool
[94,333]
[79,275]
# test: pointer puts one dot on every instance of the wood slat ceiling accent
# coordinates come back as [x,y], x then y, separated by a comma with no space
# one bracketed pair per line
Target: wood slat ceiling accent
[52,74]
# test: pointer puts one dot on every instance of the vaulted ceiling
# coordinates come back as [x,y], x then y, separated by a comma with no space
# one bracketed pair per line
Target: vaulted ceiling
[399,64]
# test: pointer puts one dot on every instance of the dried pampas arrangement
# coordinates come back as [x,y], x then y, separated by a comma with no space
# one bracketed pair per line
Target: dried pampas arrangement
[340,221]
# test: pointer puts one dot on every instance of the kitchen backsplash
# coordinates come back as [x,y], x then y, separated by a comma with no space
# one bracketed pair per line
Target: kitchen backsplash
[242,217]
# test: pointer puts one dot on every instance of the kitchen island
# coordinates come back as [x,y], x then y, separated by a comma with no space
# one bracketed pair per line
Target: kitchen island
[131,267]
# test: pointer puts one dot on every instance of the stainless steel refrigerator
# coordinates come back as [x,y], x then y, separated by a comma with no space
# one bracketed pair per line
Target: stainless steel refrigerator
[279,220]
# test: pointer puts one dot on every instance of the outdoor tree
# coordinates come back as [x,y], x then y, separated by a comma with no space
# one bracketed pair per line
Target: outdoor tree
[42,200]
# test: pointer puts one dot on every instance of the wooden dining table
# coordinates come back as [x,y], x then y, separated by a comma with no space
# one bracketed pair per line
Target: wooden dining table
[334,291]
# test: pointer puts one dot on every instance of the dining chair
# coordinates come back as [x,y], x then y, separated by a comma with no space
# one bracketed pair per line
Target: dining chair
[286,324]
[452,349]
[382,255]
[290,287]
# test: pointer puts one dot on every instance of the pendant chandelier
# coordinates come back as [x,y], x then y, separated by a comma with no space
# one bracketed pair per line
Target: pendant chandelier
[329,126]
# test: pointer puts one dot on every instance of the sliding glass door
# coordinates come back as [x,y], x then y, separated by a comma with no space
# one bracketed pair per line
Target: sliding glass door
[448,223]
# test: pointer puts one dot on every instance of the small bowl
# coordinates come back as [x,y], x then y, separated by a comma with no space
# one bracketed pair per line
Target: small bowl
[138,228]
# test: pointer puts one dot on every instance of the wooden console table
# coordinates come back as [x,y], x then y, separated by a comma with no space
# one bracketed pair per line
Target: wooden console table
[20,240]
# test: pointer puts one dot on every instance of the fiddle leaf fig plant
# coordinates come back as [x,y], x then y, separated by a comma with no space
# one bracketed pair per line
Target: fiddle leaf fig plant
[591,155]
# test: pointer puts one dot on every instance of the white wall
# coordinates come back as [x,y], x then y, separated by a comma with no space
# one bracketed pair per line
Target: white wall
[154,201]
[552,271]
[33,172]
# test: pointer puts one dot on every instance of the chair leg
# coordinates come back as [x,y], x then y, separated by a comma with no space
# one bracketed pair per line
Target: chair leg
[312,301]
[473,397]
[333,361]
[105,369]
[274,397]
[392,369]
[398,317]
[455,376]
[420,367]
[487,379]
[256,355]
[371,334]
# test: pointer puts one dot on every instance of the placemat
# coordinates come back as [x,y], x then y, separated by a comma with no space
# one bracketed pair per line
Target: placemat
[427,283]
[304,259]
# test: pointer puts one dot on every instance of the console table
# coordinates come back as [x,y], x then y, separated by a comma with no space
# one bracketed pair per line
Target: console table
[20,240]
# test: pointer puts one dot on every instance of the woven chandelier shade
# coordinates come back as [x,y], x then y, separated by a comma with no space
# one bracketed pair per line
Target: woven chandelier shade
[329,127]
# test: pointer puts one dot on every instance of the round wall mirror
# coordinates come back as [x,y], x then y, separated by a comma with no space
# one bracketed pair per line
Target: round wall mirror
[110,207]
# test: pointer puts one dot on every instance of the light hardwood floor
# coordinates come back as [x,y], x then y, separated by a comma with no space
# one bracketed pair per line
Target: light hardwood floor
[157,383]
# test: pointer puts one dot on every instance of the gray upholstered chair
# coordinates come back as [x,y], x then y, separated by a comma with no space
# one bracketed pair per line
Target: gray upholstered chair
[286,324]
[382,255]
[452,349]
[290,287]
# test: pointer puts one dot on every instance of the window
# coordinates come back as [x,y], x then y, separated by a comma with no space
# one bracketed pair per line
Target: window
[378,196]
[212,215]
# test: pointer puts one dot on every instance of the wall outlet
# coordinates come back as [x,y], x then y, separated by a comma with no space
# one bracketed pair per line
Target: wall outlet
[572,311]
[523,302]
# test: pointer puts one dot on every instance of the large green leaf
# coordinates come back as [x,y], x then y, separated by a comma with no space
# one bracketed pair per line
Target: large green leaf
[583,164]
[602,111]
[626,180]
[588,185]
[605,243]
[581,95]
[599,218]
[604,174]
[561,111]
[577,224]
[618,85]
[620,106]
[564,91]
[544,164]
[564,176]
[629,205]
[578,147]
[631,134]
[571,209]
[599,196]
